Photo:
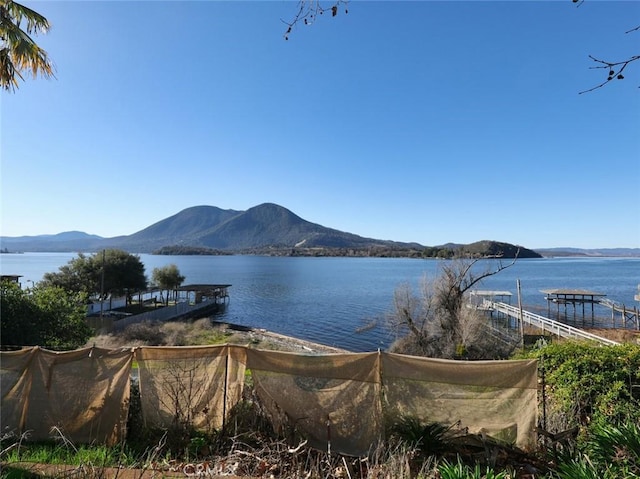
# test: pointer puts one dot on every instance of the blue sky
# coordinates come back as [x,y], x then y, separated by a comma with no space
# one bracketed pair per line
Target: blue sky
[417,121]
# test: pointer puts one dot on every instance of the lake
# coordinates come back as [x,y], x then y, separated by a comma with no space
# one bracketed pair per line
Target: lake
[343,301]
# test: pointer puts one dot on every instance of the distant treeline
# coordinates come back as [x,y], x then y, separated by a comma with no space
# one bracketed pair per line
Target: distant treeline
[480,249]
[189,250]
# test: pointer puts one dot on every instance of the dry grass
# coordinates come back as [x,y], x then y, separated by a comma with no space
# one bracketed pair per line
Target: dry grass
[620,335]
[173,333]
[204,332]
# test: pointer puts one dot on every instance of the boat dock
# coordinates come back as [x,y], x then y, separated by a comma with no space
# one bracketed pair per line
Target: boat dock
[545,324]
[574,306]
[580,298]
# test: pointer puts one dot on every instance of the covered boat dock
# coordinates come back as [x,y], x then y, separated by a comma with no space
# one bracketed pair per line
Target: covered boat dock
[574,297]
[198,293]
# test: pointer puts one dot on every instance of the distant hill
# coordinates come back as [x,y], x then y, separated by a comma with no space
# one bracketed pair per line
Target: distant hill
[489,248]
[604,252]
[264,229]
[68,241]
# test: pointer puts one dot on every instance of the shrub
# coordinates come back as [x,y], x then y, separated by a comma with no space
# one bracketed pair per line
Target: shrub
[592,386]
[150,333]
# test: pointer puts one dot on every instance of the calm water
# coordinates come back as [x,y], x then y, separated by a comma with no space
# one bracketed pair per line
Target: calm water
[342,301]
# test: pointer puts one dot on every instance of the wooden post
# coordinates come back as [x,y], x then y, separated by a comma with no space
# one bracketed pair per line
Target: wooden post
[226,386]
[520,319]
[613,317]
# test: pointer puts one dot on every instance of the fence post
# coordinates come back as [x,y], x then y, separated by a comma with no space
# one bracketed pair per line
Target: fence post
[226,385]
[544,400]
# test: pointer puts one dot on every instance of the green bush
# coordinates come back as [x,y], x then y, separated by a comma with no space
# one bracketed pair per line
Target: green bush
[593,386]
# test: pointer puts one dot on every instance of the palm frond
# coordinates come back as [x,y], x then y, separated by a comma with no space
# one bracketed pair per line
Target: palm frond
[19,51]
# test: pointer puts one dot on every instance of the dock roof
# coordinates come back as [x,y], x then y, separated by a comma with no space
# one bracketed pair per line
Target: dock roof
[571,292]
[202,287]
[478,292]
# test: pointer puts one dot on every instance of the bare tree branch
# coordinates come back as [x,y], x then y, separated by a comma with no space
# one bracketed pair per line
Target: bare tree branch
[309,10]
[439,323]
[614,69]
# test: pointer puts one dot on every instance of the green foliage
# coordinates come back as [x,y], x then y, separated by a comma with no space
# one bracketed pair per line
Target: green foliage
[68,454]
[459,470]
[79,274]
[618,446]
[19,53]
[44,316]
[592,386]
[429,439]
[584,468]
[607,452]
[168,278]
[121,273]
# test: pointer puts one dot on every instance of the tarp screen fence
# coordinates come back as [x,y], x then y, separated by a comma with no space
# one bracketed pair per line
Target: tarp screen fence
[339,401]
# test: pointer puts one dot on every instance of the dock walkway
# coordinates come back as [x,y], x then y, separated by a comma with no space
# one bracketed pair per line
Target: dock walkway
[545,324]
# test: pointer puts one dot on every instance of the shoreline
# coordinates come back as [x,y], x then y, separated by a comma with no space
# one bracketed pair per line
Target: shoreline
[281,342]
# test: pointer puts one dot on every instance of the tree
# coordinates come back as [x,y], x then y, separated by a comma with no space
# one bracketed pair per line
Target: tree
[123,272]
[18,52]
[111,271]
[167,278]
[46,316]
[438,323]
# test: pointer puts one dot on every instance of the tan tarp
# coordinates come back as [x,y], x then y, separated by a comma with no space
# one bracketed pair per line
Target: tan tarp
[15,384]
[82,393]
[333,400]
[495,397]
[185,386]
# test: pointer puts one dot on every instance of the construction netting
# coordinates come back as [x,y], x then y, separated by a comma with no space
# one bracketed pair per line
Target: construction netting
[339,402]
[82,394]
[498,398]
[333,400]
[190,386]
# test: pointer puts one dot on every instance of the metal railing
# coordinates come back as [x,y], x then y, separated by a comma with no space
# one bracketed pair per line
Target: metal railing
[546,324]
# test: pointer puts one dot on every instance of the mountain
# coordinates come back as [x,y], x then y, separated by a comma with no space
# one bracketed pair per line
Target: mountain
[270,225]
[263,226]
[68,241]
[183,228]
[266,228]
